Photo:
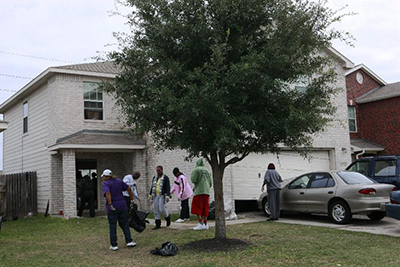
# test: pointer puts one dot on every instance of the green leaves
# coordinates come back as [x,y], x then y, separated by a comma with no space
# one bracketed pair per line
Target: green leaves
[214,75]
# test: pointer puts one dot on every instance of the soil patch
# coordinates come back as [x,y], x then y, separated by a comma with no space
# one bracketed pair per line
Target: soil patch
[208,245]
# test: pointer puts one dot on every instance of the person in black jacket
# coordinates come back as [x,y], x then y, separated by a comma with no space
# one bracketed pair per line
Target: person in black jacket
[159,196]
[87,196]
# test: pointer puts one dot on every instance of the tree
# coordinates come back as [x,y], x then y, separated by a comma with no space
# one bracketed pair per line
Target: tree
[213,77]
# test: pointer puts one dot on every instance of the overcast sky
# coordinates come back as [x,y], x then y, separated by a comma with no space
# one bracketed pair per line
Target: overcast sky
[37,34]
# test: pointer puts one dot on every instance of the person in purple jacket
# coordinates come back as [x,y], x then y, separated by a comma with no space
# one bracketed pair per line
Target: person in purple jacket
[183,192]
[117,210]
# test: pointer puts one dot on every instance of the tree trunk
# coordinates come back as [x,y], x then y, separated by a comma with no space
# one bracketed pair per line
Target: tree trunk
[220,228]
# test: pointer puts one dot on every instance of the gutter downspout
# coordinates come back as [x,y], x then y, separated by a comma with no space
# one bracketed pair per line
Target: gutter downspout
[360,154]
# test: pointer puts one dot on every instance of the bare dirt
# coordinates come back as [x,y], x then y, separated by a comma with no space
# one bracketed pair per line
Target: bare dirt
[208,245]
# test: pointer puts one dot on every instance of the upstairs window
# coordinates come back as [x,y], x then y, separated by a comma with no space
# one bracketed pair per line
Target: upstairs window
[93,101]
[301,84]
[25,117]
[352,119]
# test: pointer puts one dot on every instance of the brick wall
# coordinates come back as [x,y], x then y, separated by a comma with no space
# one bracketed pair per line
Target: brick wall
[355,90]
[379,123]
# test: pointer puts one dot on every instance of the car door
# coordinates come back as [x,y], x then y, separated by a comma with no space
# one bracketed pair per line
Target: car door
[293,195]
[321,189]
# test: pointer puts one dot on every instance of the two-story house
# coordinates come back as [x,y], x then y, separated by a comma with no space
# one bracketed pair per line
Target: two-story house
[373,107]
[61,124]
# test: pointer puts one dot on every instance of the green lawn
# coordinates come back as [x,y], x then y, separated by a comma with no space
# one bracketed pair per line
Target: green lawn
[40,241]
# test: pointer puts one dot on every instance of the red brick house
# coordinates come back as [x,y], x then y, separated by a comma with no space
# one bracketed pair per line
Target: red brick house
[374,109]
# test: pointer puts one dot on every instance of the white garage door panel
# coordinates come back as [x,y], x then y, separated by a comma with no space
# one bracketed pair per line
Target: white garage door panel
[247,175]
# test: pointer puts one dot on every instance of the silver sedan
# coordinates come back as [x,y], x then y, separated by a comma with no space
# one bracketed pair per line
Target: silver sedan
[338,194]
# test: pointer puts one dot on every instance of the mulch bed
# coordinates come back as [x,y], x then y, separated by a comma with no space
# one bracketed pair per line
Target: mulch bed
[209,245]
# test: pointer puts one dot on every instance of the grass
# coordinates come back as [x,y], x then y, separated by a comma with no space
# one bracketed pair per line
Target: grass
[40,241]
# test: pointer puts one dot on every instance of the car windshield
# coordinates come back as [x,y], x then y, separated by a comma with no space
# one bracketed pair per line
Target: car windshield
[354,178]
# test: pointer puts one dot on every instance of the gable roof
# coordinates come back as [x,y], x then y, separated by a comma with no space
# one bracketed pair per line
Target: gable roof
[368,71]
[348,64]
[105,69]
[385,92]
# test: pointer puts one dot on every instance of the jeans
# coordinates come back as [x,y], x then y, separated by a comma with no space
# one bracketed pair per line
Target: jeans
[120,216]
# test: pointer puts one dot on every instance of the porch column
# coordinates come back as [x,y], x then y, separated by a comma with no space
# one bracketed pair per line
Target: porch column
[69,183]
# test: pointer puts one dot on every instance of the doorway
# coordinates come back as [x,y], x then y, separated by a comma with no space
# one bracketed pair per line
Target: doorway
[87,167]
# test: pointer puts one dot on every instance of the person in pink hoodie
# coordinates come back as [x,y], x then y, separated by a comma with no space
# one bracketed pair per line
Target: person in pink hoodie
[183,192]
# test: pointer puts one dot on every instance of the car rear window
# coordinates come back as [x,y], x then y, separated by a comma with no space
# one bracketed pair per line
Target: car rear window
[385,167]
[354,178]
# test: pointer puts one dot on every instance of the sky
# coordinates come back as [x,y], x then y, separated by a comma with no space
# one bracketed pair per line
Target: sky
[38,34]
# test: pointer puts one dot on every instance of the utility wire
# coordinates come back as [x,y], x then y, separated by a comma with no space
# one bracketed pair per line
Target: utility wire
[43,58]
[14,76]
[7,90]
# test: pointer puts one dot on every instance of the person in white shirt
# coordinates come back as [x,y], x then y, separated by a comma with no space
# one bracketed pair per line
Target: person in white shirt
[130,180]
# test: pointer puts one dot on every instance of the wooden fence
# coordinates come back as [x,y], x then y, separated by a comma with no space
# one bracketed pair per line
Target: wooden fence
[20,194]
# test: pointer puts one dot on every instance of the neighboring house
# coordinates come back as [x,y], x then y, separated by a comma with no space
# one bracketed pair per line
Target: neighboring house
[60,124]
[374,107]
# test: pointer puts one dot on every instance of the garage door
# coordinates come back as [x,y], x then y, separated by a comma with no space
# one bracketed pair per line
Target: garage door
[243,180]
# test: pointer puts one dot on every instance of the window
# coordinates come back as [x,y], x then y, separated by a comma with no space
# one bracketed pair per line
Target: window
[385,167]
[360,166]
[301,84]
[93,101]
[25,117]
[352,118]
[322,180]
[300,182]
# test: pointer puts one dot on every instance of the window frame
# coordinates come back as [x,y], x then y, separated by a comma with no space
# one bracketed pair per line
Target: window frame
[351,119]
[91,89]
[25,114]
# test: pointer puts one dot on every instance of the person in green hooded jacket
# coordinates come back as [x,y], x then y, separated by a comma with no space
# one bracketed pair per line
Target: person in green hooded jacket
[201,178]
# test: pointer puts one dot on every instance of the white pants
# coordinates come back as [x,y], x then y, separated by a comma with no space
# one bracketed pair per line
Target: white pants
[160,207]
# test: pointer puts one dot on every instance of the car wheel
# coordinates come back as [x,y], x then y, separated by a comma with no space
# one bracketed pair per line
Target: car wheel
[340,212]
[265,207]
[377,216]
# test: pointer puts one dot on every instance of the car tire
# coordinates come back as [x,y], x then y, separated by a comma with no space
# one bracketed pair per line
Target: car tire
[377,215]
[265,207]
[340,212]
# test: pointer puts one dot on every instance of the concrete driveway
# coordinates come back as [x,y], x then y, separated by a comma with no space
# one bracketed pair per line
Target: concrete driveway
[360,223]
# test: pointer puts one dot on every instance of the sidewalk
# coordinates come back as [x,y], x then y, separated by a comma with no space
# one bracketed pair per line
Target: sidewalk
[246,217]
[360,223]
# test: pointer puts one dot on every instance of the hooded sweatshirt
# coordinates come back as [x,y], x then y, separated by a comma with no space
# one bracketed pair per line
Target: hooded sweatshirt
[201,178]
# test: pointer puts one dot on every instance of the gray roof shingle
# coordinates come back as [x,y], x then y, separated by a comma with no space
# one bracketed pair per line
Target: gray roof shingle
[385,92]
[101,67]
[97,137]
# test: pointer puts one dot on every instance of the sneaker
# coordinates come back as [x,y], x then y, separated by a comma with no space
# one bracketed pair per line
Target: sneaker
[113,248]
[206,225]
[131,244]
[179,220]
[200,227]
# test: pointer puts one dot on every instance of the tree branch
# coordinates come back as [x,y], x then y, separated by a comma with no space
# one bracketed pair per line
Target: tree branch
[237,159]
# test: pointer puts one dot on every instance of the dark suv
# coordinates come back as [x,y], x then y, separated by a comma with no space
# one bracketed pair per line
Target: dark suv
[383,169]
